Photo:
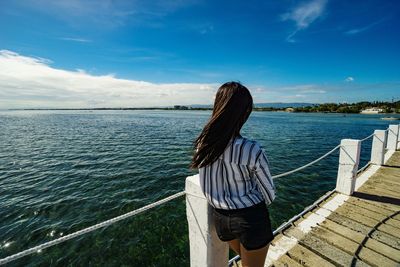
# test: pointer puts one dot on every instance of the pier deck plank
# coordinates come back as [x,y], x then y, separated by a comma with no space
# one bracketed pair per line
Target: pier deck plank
[364,230]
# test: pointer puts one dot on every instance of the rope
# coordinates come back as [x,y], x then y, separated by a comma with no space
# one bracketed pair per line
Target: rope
[307,165]
[368,137]
[363,168]
[285,225]
[315,204]
[140,210]
[88,229]
[288,223]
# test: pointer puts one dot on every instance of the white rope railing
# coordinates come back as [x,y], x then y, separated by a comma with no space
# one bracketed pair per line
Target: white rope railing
[307,165]
[368,137]
[88,229]
[140,210]
[364,167]
[286,224]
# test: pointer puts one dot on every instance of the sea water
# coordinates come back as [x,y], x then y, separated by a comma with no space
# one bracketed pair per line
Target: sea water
[62,171]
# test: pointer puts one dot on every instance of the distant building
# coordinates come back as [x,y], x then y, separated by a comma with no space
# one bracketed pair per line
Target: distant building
[289,109]
[373,110]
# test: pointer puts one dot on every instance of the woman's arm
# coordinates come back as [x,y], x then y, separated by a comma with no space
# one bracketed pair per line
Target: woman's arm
[263,177]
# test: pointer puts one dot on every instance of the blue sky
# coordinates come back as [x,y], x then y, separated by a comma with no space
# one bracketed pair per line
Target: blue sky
[180,51]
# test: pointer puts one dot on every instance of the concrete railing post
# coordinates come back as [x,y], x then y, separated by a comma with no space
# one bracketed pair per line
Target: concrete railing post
[393,137]
[378,147]
[348,165]
[206,250]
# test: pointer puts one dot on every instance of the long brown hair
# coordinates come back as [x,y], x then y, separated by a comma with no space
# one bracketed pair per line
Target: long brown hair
[232,107]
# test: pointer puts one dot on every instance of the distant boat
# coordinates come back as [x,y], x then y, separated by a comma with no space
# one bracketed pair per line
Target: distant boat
[373,110]
[390,118]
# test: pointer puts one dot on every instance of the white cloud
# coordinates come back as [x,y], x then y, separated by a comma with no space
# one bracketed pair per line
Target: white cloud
[299,96]
[363,29]
[31,82]
[107,13]
[304,14]
[79,40]
[27,82]
[355,31]
[304,89]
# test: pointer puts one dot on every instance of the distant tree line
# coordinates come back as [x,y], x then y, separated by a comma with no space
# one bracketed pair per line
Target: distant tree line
[387,107]
[268,109]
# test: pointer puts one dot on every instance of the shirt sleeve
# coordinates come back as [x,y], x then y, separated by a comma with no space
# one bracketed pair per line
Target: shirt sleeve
[263,176]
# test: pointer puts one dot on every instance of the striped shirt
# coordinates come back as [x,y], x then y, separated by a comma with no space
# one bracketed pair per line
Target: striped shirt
[239,178]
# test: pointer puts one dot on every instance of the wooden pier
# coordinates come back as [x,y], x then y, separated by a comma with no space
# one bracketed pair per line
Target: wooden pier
[357,223]
[358,230]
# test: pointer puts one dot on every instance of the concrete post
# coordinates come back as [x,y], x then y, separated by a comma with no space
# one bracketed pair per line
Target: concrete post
[393,137]
[378,147]
[206,250]
[348,165]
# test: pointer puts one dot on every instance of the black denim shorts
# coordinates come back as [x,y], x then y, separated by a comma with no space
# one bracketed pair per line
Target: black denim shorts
[252,226]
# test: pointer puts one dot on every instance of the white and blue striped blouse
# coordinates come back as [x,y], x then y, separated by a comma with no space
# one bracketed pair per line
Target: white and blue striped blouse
[239,178]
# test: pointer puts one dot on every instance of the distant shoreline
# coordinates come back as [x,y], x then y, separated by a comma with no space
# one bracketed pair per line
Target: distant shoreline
[375,107]
[106,109]
[191,109]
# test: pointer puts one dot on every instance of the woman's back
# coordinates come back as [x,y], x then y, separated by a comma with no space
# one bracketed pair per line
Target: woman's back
[235,177]
[239,178]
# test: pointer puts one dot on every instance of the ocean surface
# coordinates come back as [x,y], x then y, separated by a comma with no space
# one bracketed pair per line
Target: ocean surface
[61,171]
